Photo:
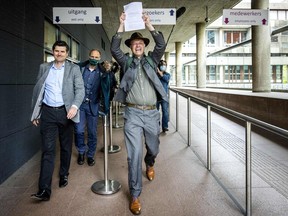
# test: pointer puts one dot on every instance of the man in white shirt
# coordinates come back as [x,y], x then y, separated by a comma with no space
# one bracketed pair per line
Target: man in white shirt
[57,95]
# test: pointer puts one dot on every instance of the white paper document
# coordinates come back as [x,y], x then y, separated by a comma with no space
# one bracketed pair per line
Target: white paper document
[134,15]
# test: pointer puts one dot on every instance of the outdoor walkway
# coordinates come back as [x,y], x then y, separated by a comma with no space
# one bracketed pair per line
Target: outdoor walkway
[182,186]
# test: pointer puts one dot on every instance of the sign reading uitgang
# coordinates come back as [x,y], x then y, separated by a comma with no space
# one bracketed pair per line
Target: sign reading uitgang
[62,15]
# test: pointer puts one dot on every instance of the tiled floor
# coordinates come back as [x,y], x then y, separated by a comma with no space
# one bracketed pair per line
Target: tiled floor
[183,186]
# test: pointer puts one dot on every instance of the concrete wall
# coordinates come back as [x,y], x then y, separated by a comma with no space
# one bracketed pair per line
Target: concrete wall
[21,53]
[270,109]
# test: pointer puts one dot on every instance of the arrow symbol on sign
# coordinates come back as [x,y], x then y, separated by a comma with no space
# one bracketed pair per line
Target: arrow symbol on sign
[97,19]
[264,21]
[171,12]
[57,19]
[226,20]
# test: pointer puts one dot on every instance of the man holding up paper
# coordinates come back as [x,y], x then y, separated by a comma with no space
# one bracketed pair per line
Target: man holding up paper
[139,89]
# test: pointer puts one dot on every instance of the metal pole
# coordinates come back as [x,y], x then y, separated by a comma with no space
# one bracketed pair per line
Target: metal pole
[112,148]
[177,109]
[248,170]
[209,137]
[189,120]
[116,125]
[106,186]
[169,92]
[119,111]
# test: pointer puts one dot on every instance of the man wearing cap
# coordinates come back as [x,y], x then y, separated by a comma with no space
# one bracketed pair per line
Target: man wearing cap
[139,89]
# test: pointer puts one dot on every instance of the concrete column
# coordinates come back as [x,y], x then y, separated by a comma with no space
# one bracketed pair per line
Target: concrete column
[189,74]
[166,57]
[201,55]
[178,64]
[222,74]
[186,71]
[261,42]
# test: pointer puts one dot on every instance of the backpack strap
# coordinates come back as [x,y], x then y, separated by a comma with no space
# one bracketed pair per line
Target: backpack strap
[128,63]
[148,58]
[150,61]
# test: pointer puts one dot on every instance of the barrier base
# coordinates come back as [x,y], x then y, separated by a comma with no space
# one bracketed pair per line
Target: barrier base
[112,149]
[117,126]
[110,187]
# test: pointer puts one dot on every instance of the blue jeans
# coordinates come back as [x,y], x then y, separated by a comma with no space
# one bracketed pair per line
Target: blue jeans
[165,112]
[91,119]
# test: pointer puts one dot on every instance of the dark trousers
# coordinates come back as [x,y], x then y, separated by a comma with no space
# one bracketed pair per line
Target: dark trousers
[53,124]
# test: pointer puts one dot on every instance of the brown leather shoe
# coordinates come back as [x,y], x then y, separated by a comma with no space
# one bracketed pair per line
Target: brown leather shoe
[135,206]
[150,173]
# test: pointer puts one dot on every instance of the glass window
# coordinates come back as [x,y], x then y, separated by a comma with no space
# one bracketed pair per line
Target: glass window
[282,15]
[284,45]
[238,73]
[274,38]
[284,33]
[65,37]
[210,37]
[246,73]
[75,50]
[234,37]
[50,35]
[273,15]
[243,36]
[211,75]
[103,45]
[48,57]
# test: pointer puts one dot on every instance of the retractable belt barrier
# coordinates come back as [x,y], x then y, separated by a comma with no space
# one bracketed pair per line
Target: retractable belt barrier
[106,186]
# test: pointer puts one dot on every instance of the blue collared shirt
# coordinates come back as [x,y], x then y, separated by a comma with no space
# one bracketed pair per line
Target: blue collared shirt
[53,87]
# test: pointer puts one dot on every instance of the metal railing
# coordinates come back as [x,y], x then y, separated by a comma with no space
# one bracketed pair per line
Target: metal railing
[249,121]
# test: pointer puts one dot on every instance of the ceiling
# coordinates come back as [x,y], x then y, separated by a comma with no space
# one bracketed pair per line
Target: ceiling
[185,27]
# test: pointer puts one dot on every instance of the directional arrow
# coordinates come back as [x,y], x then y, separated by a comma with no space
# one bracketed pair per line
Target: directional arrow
[57,19]
[171,12]
[226,20]
[97,19]
[264,21]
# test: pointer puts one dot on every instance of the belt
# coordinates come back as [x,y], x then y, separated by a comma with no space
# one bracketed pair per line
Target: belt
[142,107]
[60,107]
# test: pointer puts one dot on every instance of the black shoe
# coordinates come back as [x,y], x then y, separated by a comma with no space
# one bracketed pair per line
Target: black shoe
[165,129]
[80,159]
[63,181]
[90,161]
[42,195]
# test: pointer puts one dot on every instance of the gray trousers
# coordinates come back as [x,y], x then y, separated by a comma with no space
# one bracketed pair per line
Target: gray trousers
[140,124]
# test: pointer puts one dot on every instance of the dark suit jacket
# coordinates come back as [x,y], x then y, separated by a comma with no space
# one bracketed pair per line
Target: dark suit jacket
[72,89]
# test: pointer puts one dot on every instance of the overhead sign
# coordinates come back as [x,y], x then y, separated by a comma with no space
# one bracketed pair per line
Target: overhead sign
[62,15]
[161,16]
[245,17]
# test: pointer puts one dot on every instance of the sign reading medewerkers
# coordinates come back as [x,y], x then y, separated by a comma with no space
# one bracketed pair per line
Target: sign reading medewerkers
[62,15]
[161,16]
[245,17]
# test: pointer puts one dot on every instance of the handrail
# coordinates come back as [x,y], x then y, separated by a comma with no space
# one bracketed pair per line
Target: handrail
[248,123]
[272,128]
